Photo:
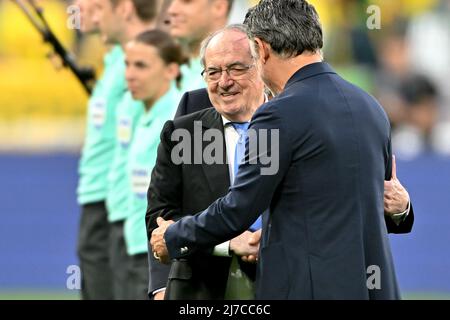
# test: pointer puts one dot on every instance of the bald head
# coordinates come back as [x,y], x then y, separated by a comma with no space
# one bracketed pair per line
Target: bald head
[227,40]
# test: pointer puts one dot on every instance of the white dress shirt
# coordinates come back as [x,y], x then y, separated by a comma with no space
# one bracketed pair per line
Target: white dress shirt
[231,139]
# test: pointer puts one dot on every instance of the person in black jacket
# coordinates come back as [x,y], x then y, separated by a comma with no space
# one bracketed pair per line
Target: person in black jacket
[179,190]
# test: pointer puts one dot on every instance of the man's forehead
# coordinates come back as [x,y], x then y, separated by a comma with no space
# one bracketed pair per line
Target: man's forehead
[229,47]
[229,38]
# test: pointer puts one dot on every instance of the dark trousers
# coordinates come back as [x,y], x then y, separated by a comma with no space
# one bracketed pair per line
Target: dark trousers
[93,252]
[119,261]
[138,277]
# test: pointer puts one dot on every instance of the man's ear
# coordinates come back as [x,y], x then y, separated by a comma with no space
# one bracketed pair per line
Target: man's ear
[220,8]
[126,9]
[262,49]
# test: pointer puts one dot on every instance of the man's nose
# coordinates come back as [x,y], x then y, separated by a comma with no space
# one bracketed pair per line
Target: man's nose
[95,17]
[173,8]
[225,81]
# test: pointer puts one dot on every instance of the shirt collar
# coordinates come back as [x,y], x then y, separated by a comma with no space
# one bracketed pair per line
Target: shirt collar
[308,71]
[114,54]
[163,106]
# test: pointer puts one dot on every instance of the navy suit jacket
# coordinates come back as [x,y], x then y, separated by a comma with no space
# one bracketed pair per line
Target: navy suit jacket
[325,232]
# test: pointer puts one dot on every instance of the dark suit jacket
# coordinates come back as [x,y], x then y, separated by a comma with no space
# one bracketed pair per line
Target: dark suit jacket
[193,101]
[326,226]
[179,190]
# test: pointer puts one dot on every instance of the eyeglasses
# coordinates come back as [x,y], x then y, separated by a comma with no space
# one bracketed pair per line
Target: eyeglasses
[233,71]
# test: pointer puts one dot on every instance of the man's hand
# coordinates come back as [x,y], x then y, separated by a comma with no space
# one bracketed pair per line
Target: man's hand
[246,245]
[157,241]
[159,295]
[396,198]
[255,239]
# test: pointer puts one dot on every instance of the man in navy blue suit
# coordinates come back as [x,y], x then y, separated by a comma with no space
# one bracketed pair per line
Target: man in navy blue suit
[324,236]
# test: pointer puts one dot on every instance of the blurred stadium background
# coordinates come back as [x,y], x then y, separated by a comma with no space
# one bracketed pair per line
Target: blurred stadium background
[406,64]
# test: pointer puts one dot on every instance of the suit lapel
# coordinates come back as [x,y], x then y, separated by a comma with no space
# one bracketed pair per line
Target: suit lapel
[217,175]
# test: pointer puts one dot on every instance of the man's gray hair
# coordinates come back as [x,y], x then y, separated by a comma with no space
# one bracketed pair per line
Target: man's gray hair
[205,43]
[289,26]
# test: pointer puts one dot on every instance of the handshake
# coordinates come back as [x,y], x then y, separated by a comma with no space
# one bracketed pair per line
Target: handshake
[246,245]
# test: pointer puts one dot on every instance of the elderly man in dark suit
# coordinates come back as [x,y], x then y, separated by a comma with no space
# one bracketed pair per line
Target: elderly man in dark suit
[324,236]
[177,190]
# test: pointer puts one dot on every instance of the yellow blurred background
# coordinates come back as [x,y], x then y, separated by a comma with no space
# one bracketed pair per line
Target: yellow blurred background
[42,107]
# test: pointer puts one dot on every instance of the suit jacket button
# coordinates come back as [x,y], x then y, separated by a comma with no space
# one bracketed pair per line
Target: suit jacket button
[184,250]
